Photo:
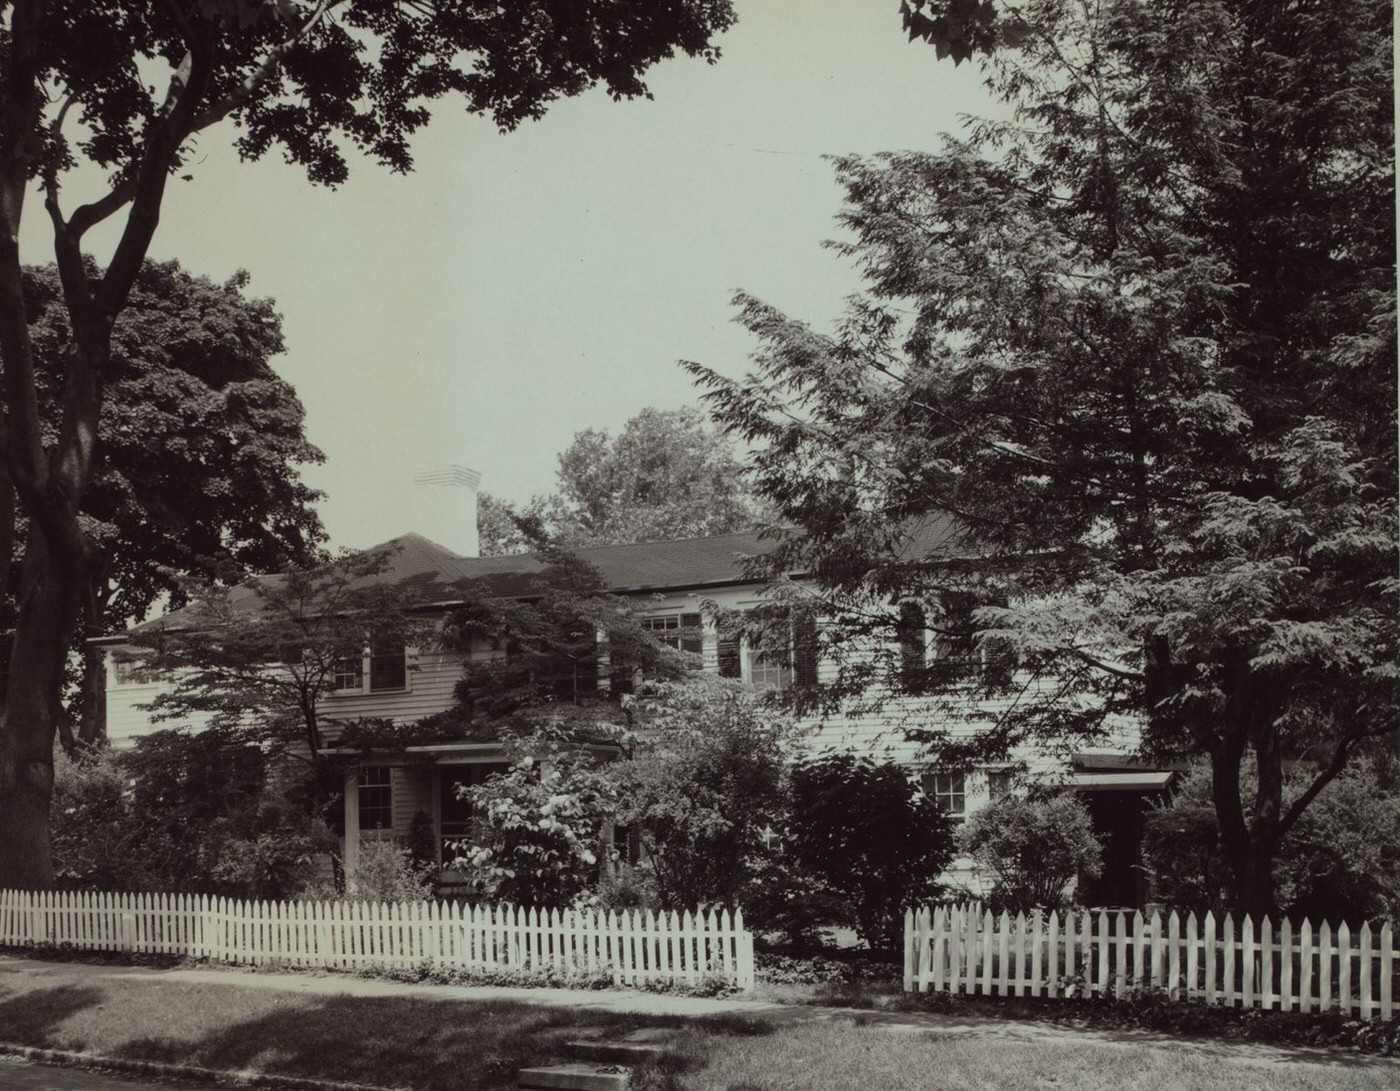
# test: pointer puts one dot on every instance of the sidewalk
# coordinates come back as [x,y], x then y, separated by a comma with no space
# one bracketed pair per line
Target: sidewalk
[624,1001]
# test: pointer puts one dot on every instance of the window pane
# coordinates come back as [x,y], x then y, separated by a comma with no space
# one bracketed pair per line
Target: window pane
[948,790]
[348,674]
[912,632]
[388,667]
[376,793]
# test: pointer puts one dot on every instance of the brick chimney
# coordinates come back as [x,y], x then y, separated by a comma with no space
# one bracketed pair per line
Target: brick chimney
[444,508]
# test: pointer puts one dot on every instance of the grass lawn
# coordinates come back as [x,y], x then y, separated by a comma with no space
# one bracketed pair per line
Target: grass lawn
[457,1045]
[427,1045]
[846,1057]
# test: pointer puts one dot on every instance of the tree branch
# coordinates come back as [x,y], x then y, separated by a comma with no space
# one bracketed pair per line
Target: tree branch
[260,75]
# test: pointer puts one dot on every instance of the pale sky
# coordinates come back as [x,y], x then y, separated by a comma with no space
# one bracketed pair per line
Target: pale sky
[516,289]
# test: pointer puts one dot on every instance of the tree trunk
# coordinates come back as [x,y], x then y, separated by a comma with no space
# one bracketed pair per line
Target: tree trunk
[1248,842]
[50,591]
[92,708]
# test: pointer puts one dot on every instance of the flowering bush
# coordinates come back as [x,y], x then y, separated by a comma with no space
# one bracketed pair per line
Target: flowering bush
[536,840]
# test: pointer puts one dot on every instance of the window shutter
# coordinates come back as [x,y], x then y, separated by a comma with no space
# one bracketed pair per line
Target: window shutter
[804,648]
[913,647]
[692,637]
[729,658]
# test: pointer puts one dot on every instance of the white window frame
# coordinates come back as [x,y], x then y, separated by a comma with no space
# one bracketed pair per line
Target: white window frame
[362,785]
[364,676]
[956,790]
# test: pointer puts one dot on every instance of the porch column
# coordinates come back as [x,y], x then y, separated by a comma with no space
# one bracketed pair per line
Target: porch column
[352,826]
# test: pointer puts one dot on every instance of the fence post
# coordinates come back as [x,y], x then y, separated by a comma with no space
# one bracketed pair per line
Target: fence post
[744,974]
[1387,970]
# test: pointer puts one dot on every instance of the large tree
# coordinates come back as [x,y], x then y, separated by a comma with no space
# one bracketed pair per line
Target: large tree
[315,78]
[199,475]
[667,474]
[1139,340]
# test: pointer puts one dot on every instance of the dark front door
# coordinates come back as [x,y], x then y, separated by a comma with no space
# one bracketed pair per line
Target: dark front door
[1118,824]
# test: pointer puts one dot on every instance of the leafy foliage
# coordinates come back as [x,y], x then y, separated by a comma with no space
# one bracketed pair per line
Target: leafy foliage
[565,639]
[200,475]
[1132,349]
[704,783]
[202,440]
[92,826]
[259,659]
[128,88]
[538,826]
[1340,862]
[185,813]
[1033,849]
[962,28]
[668,474]
[388,873]
[871,837]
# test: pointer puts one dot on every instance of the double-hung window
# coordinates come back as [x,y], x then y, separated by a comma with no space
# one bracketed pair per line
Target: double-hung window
[783,655]
[382,667]
[376,795]
[938,646]
[680,631]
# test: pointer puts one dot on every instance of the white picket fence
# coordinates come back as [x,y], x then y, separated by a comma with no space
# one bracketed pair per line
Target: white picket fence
[634,948]
[1097,953]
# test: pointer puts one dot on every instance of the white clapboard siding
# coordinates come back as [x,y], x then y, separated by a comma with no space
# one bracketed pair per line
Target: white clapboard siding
[632,948]
[1247,963]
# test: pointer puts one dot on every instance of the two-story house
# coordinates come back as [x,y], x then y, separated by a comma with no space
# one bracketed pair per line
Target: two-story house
[679,588]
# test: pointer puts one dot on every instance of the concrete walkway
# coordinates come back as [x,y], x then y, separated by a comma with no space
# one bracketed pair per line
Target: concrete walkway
[693,1007]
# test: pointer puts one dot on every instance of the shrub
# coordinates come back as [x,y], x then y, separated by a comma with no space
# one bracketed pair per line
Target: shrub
[536,838]
[1033,848]
[422,841]
[92,828]
[785,900]
[198,813]
[624,886]
[867,834]
[705,782]
[386,872]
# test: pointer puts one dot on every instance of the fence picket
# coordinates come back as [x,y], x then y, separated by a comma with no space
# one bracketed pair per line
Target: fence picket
[1003,967]
[1364,978]
[986,951]
[1305,966]
[1387,970]
[1344,968]
[1266,964]
[1324,967]
[1247,956]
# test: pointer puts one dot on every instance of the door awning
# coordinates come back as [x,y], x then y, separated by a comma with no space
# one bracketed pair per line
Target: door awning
[1120,780]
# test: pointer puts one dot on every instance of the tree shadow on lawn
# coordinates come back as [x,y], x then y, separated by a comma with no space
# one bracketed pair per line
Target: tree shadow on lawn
[429,1045]
[33,1018]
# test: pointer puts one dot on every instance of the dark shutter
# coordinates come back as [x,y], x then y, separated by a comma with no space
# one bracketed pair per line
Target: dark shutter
[913,647]
[729,657]
[692,636]
[804,648]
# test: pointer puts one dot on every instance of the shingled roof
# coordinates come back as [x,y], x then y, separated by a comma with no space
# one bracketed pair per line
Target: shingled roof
[677,564]
[442,577]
